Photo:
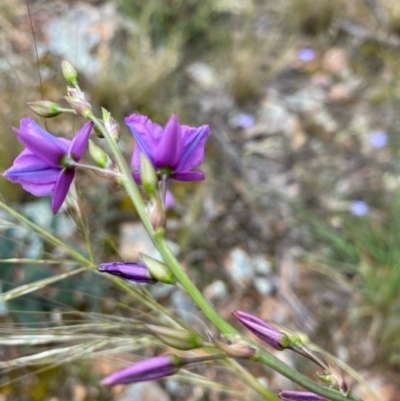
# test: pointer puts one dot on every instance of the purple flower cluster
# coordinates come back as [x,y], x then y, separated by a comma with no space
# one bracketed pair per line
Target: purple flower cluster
[47,165]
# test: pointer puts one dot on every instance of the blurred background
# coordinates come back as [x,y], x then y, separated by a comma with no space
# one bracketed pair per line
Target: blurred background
[298,221]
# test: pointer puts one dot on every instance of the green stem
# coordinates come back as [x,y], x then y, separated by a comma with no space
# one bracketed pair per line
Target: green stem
[211,314]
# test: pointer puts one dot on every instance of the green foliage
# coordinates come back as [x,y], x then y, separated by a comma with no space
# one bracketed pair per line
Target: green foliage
[367,250]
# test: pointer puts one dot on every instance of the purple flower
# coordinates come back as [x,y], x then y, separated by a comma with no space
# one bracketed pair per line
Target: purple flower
[359,208]
[306,55]
[244,120]
[286,395]
[378,139]
[175,151]
[263,330]
[149,369]
[47,164]
[129,271]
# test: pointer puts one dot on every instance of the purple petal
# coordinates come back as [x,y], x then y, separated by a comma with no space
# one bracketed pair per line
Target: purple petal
[28,167]
[187,176]
[44,145]
[170,146]
[147,135]
[35,176]
[61,188]
[80,141]
[194,140]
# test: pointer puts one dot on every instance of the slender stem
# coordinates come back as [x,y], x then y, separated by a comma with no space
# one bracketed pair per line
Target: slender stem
[310,355]
[164,179]
[97,169]
[68,111]
[211,314]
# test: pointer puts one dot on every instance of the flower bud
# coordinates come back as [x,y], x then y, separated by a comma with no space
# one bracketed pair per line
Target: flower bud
[149,369]
[263,330]
[148,175]
[45,108]
[129,271]
[70,73]
[176,338]
[99,156]
[156,212]
[111,125]
[158,270]
[77,101]
[286,395]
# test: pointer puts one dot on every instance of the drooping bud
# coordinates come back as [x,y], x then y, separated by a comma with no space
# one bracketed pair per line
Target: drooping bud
[129,271]
[238,348]
[45,108]
[148,175]
[263,330]
[287,395]
[70,73]
[149,369]
[176,338]
[77,101]
[158,270]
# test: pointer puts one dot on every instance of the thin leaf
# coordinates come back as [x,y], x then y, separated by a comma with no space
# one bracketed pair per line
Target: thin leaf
[27,288]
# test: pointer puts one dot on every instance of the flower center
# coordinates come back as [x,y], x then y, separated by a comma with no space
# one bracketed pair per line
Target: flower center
[67,162]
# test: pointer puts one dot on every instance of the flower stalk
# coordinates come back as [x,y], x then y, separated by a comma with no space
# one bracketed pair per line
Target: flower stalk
[211,314]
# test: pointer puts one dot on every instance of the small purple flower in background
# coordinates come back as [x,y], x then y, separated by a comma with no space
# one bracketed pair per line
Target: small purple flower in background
[263,330]
[149,369]
[47,164]
[306,54]
[136,272]
[244,120]
[287,395]
[378,139]
[359,208]
[175,151]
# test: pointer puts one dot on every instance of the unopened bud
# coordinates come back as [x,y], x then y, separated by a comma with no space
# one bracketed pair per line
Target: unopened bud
[70,73]
[158,270]
[129,271]
[45,108]
[99,156]
[156,212]
[238,349]
[113,128]
[149,369]
[111,125]
[148,175]
[176,338]
[264,330]
[77,101]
